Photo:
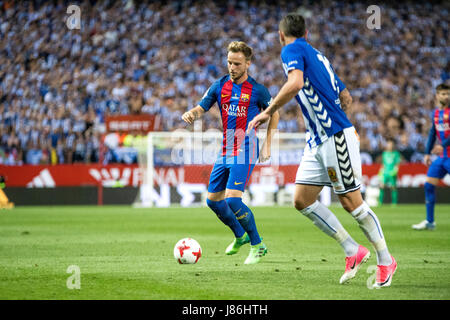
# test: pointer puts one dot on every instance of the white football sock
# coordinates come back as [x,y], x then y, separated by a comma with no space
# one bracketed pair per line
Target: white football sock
[326,221]
[370,225]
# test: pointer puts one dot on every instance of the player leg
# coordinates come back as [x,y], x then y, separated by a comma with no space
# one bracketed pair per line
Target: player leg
[435,173]
[246,218]
[216,199]
[239,177]
[430,199]
[371,227]
[349,173]
[394,191]
[310,179]
[305,201]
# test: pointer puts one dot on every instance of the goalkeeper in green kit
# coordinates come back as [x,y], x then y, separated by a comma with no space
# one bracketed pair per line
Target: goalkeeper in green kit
[388,172]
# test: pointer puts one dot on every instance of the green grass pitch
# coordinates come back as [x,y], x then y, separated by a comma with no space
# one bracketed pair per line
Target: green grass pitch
[125,253]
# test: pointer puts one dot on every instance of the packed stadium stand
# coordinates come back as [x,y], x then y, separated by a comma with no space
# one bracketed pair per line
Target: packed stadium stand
[57,85]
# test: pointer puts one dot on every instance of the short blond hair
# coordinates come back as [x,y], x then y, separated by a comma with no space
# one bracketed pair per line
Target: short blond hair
[241,46]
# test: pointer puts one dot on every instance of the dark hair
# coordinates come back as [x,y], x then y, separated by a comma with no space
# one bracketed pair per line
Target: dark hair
[390,139]
[293,25]
[442,87]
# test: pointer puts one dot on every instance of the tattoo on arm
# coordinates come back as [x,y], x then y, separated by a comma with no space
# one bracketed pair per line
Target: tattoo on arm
[344,105]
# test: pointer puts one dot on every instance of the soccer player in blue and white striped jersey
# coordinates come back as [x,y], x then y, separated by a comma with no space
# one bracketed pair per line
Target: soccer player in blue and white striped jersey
[331,156]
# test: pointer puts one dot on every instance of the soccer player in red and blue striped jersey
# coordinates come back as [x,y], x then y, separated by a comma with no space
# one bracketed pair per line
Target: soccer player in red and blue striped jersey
[440,133]
[240,98]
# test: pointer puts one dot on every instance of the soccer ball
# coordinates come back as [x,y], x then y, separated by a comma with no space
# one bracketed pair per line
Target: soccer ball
[187,251]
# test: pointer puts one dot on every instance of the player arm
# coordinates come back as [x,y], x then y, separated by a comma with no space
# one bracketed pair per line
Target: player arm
[272,126]
[379,159]
[399,159]
[294,62]
[431,140]
[193,114]
[267,145]
[394,171]
[346,99]
[397,163]
[289,90]
[208,100]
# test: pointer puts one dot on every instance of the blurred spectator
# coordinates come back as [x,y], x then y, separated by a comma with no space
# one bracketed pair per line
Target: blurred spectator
[33,154]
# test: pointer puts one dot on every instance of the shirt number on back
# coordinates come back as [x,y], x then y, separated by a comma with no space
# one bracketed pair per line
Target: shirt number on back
[327,65]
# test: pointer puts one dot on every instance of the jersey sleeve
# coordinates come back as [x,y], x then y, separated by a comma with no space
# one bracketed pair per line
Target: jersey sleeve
[292,58]
[264,99]
[210,96]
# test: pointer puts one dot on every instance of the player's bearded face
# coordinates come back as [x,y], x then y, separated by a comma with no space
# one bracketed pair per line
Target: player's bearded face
[443,97]
[237,65]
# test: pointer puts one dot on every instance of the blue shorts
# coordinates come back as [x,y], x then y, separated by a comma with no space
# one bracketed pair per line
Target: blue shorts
[230,174]
[439,168]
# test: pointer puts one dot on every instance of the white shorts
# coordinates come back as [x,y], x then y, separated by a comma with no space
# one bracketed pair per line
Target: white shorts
[335,163]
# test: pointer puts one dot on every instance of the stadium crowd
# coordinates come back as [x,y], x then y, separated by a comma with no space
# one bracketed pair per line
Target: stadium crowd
[57,84]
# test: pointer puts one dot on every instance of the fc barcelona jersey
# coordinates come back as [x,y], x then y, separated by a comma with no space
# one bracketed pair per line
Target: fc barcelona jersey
[238,104]
[441,121]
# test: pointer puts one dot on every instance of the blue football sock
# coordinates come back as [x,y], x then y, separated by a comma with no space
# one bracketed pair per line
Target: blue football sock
[226,215]
[245,217]
[430,199]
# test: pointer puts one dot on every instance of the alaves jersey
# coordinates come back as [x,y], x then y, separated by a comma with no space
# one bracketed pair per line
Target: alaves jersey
[238,104]
[319,97]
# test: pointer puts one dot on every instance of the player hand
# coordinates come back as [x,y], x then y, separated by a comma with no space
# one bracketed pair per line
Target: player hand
[427,159]
[257,121]
[437,149]
[188,117]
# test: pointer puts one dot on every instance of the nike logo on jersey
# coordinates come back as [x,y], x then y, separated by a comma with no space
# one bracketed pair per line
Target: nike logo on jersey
[224,95]
[237,183]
